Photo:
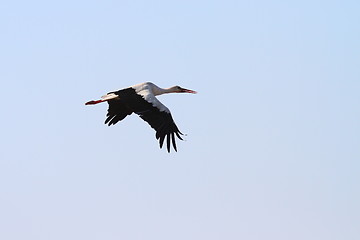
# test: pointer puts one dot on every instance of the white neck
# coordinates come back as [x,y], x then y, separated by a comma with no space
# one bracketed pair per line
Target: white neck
[158,91]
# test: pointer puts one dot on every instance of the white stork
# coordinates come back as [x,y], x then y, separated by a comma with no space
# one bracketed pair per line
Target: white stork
[141,100]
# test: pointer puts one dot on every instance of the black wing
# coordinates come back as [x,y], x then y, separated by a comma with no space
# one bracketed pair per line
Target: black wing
[163,124]
[161,121]
[118,109]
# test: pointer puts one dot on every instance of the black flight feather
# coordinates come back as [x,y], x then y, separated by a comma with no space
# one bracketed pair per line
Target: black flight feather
[129,101]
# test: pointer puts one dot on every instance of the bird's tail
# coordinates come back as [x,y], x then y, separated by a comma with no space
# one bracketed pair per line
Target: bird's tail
[103,99]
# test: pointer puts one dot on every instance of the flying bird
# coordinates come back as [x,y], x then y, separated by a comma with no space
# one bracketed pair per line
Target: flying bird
[141,99]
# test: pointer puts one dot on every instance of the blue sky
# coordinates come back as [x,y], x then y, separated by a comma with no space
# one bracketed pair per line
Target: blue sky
[272,145]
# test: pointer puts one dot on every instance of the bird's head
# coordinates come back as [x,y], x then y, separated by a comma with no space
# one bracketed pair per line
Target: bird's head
[179,89]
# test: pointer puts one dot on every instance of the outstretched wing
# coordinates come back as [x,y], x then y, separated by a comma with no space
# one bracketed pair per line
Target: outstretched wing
[118,108]
[157,115]
[149,108]
[164,126]
[117,111]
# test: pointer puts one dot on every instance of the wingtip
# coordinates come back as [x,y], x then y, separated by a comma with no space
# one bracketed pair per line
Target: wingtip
[168,142]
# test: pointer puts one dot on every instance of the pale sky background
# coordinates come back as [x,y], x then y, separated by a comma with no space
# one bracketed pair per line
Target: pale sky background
[272,146]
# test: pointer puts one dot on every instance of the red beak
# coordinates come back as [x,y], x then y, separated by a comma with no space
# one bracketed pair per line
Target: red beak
[188,91]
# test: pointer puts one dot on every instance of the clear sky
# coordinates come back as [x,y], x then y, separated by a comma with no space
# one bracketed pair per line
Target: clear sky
[272,146]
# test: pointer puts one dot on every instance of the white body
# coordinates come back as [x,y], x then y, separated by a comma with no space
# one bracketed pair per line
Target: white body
[148,91]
